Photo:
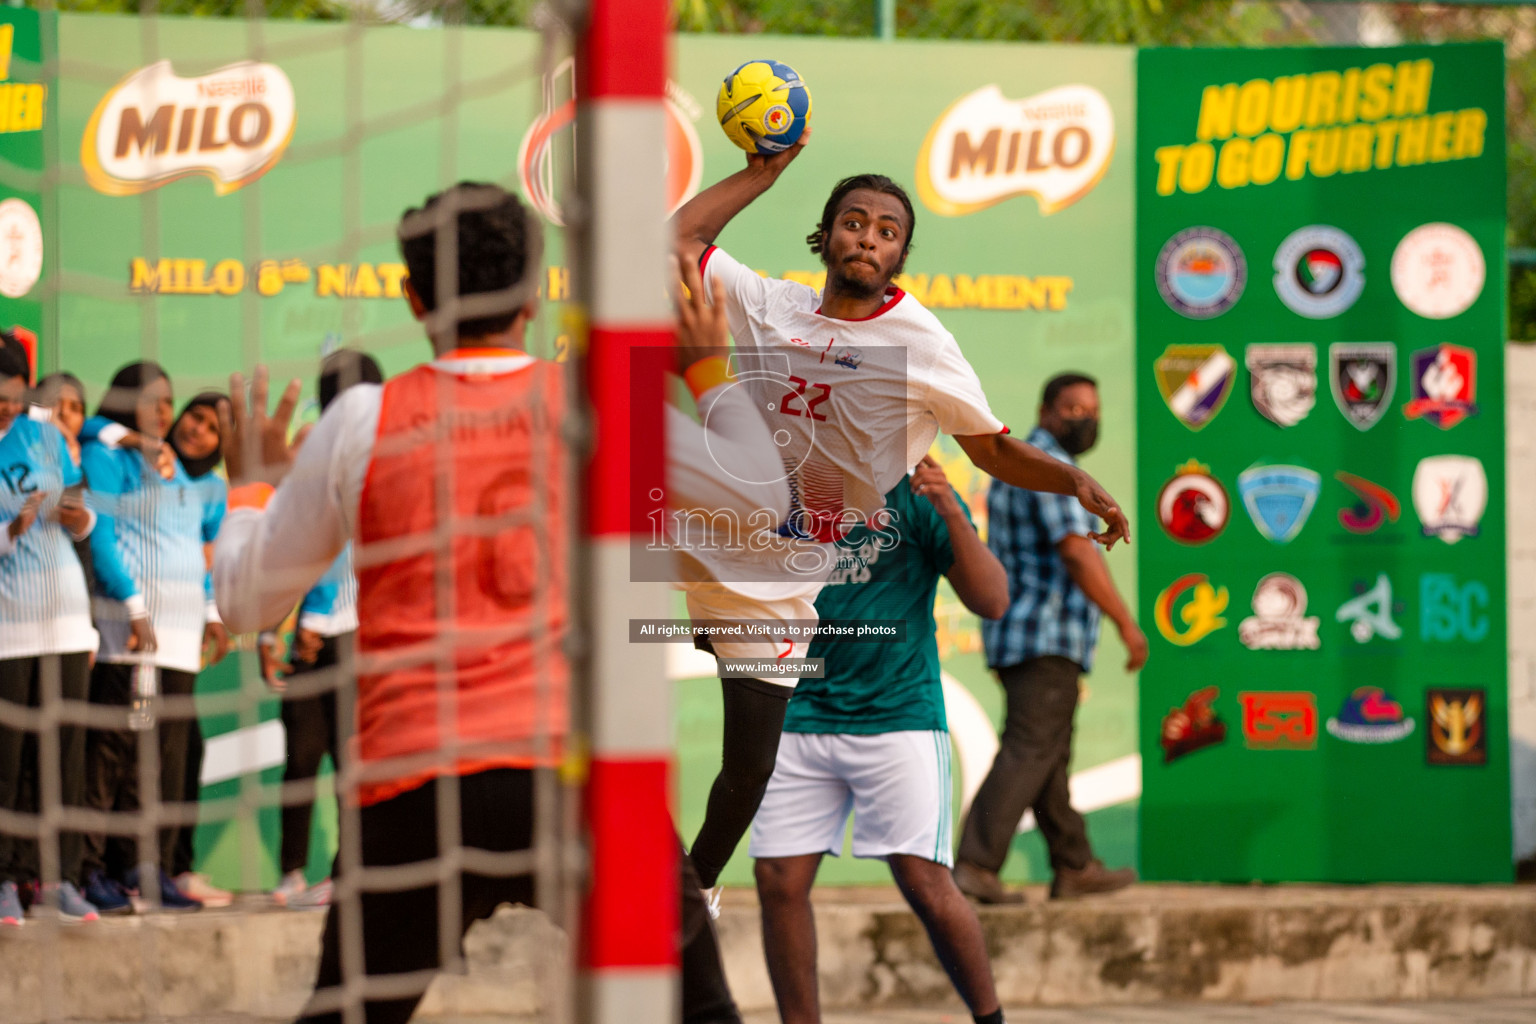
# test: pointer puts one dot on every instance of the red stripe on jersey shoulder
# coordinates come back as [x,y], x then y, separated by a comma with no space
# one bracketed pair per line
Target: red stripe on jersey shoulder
[704,257]
[893,296]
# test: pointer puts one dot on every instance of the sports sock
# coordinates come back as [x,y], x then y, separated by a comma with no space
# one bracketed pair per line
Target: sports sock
[754,719]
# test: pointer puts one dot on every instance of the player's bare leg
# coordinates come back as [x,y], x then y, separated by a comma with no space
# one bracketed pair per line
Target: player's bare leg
[952,927]
[789,934]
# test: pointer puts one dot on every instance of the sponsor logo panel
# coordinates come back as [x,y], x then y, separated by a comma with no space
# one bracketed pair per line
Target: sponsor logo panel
[1284,720]
[1185,621]
[1319,271]
[1450,494]
[1369,613]
[1362,377]
[1279,499]
[1279,621]
[1444,383]
[1193,507]
[1438,271]
[1192,727]
[1283,381]
[1457,732]
[1195,381]
[1370,715]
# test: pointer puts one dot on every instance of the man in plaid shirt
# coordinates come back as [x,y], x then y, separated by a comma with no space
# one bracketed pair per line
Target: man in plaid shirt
[1058,585]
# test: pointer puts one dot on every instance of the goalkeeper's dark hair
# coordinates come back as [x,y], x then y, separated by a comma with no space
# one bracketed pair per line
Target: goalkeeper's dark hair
[497,248]
[344,368]
[874,183]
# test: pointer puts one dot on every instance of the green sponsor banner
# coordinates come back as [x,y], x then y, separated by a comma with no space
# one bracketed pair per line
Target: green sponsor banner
[230,195]
[26,116]
[1319,369]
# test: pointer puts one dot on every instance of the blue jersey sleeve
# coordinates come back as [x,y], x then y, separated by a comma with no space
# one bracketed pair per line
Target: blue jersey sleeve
[321,599]
[104,470]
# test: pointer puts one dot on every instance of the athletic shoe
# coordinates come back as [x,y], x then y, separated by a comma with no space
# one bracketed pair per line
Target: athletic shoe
[290,886]
[982,885]
[173,899]
[11,914]
[72,906]
[712,901]
[1089,880]
[316,897]
[197,887]
[106,894]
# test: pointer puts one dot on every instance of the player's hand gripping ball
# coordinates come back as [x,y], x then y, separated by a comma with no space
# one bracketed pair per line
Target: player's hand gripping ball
[763,106]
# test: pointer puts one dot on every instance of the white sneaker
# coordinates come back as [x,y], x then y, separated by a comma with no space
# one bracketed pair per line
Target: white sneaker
[197,887]
[712,901]
[291,885]
[316,897]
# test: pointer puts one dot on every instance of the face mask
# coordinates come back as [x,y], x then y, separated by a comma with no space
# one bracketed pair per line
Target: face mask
[1077,436]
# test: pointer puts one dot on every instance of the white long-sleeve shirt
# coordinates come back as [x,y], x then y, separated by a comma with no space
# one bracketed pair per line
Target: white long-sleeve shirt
[266,560]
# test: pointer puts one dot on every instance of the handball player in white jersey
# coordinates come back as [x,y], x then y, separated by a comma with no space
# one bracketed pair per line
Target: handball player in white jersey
[856,381]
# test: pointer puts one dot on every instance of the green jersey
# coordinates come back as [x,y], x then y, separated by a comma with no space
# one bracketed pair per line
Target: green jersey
[889,573]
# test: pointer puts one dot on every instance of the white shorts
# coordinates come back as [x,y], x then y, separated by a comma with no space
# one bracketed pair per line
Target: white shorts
[716,602]
[898,786]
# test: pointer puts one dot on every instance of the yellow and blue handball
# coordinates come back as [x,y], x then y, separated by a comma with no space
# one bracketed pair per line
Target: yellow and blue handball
[764,106]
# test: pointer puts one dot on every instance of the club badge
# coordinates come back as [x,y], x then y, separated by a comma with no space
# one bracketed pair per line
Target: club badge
[1193,507]
[1457,732]
[1279,499]
[1201,272]
[1199,617]
[1279,721]
[1369,613]
[1374,505]
[1444,381]
[1363,377]
[1370,715]
[1319,271]
[1450,494]
[1195,381]
[1279,621]
[1193,726]
[1438,271]
[1283,381]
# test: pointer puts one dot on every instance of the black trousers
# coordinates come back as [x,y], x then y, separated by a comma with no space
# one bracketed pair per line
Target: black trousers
[21,684]
[400,928]
[183,854]
[1030,772]
[754,721]
[311,729]
[706,994]
[112,769]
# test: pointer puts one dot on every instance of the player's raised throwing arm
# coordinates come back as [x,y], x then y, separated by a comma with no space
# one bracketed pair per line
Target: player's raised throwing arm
[703,217]
[1023,465]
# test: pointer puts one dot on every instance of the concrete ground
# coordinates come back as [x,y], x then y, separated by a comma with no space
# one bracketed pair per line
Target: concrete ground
[1497,1011]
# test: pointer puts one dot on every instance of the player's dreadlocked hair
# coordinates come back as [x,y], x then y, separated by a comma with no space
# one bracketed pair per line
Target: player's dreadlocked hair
[874,183]
[497,244]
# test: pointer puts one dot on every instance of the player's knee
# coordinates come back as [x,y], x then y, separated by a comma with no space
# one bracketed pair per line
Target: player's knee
[775,880]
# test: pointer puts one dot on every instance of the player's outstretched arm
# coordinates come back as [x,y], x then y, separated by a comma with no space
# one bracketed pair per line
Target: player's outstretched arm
[1023,465]
[703,217]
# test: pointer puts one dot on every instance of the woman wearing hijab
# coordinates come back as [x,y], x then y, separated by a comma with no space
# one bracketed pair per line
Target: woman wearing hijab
[195,440]
[153,613]
[46,638]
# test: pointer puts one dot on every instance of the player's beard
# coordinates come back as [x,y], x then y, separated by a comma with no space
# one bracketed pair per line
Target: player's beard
[868,287]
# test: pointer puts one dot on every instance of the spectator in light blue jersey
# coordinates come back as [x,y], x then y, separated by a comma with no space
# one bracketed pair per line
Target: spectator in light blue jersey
[46,637]
[153,610]
[327,620]
[195,440]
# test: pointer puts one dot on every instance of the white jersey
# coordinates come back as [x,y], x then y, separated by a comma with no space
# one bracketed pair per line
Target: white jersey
[853,404]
